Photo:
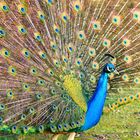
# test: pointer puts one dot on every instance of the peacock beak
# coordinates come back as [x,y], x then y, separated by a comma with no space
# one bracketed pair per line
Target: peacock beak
[116,72]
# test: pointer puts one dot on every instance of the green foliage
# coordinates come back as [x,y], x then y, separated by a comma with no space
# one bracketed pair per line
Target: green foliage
[120,124]
[123,123]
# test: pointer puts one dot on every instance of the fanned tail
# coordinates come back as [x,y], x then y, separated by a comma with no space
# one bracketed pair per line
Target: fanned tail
[52,53]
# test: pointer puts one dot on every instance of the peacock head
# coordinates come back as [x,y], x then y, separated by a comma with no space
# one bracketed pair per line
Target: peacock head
[110,68]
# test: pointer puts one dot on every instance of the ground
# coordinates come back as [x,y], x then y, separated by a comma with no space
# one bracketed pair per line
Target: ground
[121,124]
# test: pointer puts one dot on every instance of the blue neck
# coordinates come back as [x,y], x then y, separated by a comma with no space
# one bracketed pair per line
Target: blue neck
[96,103]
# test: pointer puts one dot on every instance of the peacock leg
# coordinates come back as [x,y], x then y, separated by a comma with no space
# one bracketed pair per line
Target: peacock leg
[55,137]
[72,136]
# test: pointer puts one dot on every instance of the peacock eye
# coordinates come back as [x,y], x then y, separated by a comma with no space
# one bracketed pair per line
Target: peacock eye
[110,69]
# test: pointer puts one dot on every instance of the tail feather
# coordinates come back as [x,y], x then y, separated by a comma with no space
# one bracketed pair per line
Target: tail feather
[45,42]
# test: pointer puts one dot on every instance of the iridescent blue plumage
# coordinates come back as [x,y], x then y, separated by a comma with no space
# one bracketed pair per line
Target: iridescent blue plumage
[96,103]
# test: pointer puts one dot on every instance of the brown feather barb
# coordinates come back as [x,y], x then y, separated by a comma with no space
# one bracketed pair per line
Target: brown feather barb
[52,53]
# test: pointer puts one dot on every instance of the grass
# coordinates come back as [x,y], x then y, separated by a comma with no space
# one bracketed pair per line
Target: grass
[120,124]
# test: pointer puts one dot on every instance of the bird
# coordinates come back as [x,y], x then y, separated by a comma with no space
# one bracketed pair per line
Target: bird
[63,61]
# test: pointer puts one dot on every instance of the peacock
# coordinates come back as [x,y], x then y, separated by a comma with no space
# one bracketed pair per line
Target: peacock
[62,62]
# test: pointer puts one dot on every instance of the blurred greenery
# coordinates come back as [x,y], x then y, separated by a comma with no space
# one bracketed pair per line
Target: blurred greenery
[120,124]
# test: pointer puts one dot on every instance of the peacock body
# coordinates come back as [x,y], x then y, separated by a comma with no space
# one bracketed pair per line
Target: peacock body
[57,62]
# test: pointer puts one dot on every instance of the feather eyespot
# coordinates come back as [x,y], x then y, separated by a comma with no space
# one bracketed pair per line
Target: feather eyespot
[42,54]
[37,36]
[23,117]
[38,96]
[136,15]
[106,43]
[65,59]
[64,17]
[41,16]
[33,71]
[126,42]
[81,35]
[25,53]
[136,80]
[49,2]
[41,128]
[116,20]
[81,75]
[53,91]
[92,52]
[50,72]
[56,29]
[26,87]
[56,63]
[14,129]
[1,120]
[22,9]
[96,25]
[57,83]
[53,128]
[2,107]
[4,7]
[2,33]
[60,127]
[31,110]
[4,53]
[93,79]
[128,59]
[25,129]
[22,30]
[10,94]
[125,77]
[95,65]
[12,71]
[53,45]
[77,6]
[138,95]
[78,62]
[41,82]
